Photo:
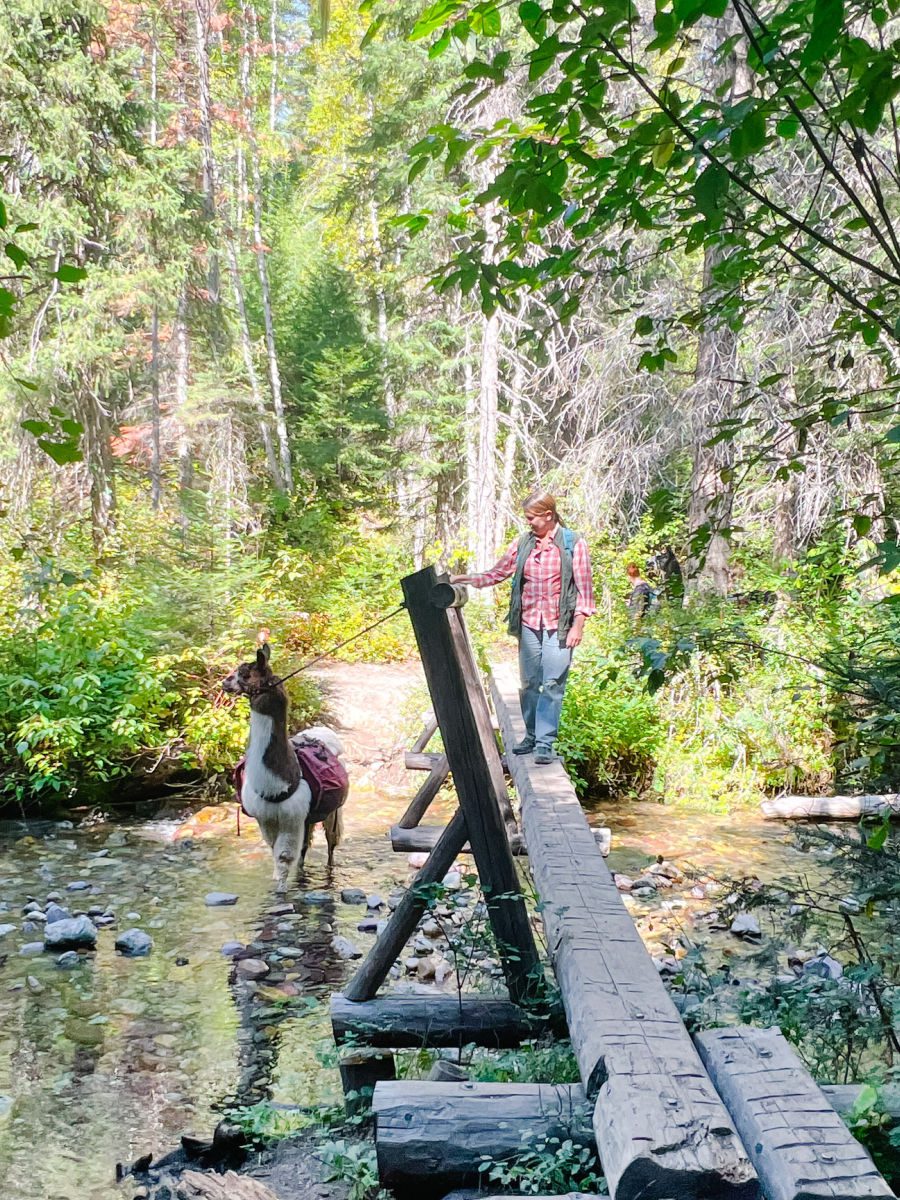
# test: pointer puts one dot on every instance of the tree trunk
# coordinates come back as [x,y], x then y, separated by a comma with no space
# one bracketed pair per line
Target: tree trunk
[273,81]
[510,449]
[281,430]
[155,450]
[182,353]
[712,490]
[470,432]
[486,468]
[784,515]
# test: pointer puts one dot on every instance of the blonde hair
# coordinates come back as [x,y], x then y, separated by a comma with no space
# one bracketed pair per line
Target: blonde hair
[541,502]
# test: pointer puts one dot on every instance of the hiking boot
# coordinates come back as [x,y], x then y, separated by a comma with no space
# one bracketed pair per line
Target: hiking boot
[524,747]
[543,756]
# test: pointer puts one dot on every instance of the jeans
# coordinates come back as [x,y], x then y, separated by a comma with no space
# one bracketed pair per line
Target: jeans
[543,670]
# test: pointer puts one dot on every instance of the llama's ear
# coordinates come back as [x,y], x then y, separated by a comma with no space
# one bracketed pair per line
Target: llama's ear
[263,654]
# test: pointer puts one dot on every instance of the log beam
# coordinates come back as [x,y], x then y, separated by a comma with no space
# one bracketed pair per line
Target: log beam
[421,760]
[434,1136]
[420,802]
[797,1142]
[661,1128]
[408,1022]
[425,837]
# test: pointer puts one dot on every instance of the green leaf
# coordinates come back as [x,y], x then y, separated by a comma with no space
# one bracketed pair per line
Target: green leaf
[876,840]
[38,428]
[69,274]
[861,524]
[643,326]
[372,31]
[664,149]
[892,437]
[4,219]
[17,255]
[433,18]
[62,453]
[710,190]
[827,22]
[787,127]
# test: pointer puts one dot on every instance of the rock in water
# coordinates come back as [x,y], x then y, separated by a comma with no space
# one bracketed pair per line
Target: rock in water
[70,934]
[69,960]
[252,968]
[5,929]
[353,896]
[55,912]
[344,948]
[134,943]
[219,899]
[745,925]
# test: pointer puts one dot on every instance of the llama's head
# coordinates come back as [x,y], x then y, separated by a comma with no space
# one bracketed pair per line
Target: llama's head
[253,679]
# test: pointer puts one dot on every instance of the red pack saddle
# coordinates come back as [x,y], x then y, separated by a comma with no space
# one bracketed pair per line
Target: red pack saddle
[323,771]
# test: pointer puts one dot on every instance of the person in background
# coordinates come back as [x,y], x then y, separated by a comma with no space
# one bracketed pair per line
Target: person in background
[640,598]
[552,597]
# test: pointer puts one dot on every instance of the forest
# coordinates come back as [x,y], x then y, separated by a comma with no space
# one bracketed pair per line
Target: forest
[295,300]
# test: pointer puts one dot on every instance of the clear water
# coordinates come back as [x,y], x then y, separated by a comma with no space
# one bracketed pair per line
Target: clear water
[120,1056]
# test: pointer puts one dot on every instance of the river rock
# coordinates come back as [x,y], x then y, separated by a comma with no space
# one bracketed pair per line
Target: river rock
[427,967]
[78,885]
[623,882]
[29,949]
[55,912]
[252,968]
[280,910]
[824,966]
[34,985]
[417,860]
[69,960]
[452,881]
[395,897]
[134,943]
[745,925]
[431,928]
[316,898]
[344,948]
[31,907]
[6,929]
[374,902]
[219,899]
[353,896]
[232,948]
[65,935]
[289,952]
[368,925]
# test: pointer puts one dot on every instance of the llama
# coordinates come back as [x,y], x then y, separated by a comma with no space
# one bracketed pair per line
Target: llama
[272,787]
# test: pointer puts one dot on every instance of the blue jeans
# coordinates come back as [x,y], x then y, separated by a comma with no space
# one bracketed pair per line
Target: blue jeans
[543,670]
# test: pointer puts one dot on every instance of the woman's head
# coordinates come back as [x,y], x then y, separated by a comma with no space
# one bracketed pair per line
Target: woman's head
[540,512]
[633,571]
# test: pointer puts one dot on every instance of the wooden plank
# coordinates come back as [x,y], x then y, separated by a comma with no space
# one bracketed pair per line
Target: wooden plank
[829,808]
[797,1142]
[389,944]
[461,709]
[420,802]
[661,1129]
[425,837]
[429,729]
[415,760]
[402,1021]
[436,1134]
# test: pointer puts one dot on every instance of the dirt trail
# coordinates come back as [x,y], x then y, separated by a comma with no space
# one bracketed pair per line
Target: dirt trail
[377,708]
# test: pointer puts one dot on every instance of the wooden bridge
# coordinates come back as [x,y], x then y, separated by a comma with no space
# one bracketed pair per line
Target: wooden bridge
[731,1114]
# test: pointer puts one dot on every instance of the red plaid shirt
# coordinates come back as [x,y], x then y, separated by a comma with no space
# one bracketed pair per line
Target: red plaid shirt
[541,581]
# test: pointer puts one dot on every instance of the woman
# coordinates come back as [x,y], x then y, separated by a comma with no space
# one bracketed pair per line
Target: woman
[552,597]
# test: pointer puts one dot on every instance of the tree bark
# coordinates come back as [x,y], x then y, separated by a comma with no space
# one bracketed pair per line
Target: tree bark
[155,431]
[486,463]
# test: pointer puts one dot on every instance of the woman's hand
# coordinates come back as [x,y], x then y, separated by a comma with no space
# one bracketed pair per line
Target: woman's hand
[576,633]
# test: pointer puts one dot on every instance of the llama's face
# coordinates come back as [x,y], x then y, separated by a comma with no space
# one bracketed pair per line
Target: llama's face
[250,678]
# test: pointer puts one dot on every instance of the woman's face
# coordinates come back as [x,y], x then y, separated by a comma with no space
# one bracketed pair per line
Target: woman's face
[539,521]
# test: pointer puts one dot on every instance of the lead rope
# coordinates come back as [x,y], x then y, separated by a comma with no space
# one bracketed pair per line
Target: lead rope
[312,662]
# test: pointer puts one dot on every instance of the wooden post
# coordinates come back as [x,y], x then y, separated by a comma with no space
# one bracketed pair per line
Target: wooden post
[797,1142]
[418,806]
[378,962]
[462,713]
[360,1073]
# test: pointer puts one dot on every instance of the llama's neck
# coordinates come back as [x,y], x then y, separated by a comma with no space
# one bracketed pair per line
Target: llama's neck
[272,764]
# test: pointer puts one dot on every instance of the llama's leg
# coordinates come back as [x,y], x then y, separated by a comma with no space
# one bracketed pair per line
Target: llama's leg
[269,831]
[286,852]
[307,841]
[334,832]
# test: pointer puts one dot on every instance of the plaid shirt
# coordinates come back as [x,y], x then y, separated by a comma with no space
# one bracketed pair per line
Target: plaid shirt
[541,582]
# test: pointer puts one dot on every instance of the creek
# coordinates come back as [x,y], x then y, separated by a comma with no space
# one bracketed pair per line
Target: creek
[119,1056]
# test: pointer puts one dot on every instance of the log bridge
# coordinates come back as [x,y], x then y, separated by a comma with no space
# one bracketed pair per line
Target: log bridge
[730,1115]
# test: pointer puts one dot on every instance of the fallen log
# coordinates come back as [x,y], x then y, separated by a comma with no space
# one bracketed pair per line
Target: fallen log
[200,1185]
[829,808]
[797,1142]
[401,1022]
[660,1126]
[435,1136]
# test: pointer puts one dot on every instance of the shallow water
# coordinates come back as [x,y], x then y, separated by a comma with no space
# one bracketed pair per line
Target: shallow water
[119,1056]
